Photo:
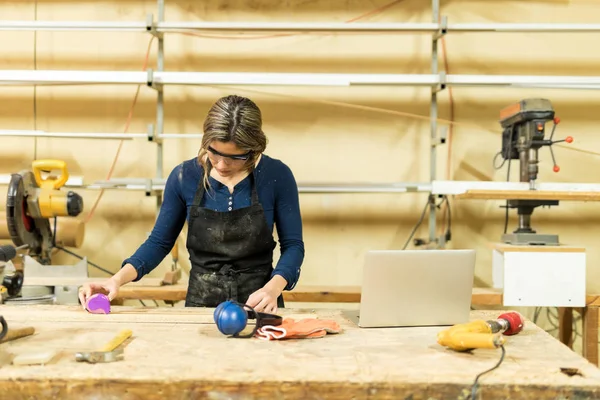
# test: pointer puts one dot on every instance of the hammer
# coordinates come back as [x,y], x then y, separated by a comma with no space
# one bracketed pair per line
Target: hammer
[108,353]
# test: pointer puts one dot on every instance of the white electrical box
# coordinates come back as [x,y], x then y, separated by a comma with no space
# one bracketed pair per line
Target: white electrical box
[540,276]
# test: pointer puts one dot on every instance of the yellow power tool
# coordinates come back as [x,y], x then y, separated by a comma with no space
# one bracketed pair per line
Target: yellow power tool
[33,200]
[481,334]
[51,201]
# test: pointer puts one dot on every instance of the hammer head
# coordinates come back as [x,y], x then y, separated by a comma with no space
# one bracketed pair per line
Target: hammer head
[94,357]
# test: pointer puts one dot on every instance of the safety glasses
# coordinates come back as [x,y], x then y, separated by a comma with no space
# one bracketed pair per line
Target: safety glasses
[215,156]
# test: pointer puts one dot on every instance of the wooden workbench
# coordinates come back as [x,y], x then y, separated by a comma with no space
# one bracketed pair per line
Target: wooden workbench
[179,354]
[482,297]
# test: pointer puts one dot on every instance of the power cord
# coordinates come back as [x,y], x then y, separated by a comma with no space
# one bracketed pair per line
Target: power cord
[505,157]
[92,264]
[417,225]
[422,217]
[506,202]
[476,383]
[81,258]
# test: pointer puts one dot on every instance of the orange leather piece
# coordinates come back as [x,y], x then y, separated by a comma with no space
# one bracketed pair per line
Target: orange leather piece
[309,328]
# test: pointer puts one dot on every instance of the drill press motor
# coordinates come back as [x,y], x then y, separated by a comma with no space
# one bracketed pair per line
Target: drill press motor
[524,128]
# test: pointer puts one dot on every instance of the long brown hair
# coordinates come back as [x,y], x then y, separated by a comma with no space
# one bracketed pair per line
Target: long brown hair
[233,119]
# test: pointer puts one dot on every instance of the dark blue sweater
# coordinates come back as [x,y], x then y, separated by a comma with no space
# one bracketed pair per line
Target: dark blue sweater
[277,192]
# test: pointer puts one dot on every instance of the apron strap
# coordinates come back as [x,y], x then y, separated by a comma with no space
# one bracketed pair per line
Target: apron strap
[199,193]
[253,186]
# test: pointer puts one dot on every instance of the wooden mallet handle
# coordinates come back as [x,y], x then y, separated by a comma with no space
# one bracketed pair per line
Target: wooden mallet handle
[17,333]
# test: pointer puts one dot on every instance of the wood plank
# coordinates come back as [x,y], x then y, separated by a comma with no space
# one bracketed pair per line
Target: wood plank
[475,194]
[175,292]
[306,294]
[324,294]
[358,363]
[590,317]
[77,281]
[565,326]
[312,294]
[593,300]
[486,297]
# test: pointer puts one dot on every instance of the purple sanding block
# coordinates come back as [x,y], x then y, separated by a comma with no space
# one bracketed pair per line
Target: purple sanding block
[98,304]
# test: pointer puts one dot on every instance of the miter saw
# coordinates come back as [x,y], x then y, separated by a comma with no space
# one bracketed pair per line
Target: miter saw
[523,134]
[34,202]
[32,206]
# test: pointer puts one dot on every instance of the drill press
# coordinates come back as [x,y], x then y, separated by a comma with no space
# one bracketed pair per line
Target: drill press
[523,125]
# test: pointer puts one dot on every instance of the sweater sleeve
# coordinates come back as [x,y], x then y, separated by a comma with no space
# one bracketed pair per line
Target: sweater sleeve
[288,221]
[167,227]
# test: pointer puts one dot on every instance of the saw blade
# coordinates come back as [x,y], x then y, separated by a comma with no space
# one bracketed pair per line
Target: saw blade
[22,228]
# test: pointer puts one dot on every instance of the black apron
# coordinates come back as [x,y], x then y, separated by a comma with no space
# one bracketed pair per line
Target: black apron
[231,253]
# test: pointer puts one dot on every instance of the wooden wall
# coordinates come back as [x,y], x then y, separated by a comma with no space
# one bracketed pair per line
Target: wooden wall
[321,141]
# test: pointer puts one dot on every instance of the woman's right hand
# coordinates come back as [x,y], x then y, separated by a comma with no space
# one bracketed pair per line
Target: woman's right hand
[109,287]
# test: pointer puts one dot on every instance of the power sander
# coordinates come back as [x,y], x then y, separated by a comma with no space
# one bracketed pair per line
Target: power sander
[481,334]
[33,201]
[523,135]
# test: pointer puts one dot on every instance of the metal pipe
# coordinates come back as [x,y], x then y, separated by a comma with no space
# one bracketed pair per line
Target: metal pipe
[217,78]
[435,8]
[524,27]
[298,26]
[518,80]
[341,27]
[73,181]
[295,79]
[95,135]
[70,135]
[158,185]
[72,26]
[29,77]
[160,120]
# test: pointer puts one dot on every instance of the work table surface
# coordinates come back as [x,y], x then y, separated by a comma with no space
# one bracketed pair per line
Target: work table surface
[178,353]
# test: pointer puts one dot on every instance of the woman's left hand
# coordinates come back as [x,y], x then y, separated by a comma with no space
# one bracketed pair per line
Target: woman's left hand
[265,298]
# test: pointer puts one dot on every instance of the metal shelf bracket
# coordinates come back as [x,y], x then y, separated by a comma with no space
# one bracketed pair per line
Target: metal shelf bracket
[152,135]
[442,28]
[158,86]
[443,83]
[151,27]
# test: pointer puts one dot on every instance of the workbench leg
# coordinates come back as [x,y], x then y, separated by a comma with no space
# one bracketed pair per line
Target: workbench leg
[589,345]
[565,326]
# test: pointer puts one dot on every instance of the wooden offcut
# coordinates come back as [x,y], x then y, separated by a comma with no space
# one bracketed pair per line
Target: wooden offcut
[13,334]
[179,353]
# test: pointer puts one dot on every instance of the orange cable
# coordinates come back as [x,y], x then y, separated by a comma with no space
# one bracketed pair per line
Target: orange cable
[247,37]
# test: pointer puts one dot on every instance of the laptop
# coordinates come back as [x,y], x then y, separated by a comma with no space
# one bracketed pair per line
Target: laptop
[408,288]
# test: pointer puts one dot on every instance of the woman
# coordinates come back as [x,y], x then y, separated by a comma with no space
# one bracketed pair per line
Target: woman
[231,196]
